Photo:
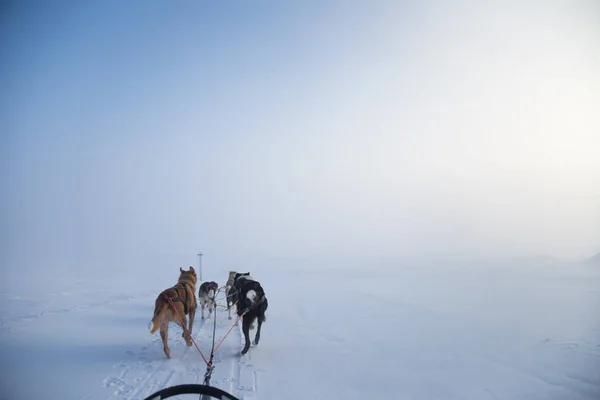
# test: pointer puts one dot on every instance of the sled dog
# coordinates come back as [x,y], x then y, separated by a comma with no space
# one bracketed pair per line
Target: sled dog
[173,305]
[206,294]
[252,304]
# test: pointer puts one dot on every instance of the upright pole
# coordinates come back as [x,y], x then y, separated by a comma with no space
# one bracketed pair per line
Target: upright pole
[200,265]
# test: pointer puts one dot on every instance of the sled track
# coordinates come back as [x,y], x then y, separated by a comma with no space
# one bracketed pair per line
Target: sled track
[244,373]
[147,370]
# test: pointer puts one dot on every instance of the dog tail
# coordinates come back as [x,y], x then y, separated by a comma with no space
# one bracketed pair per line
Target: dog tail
[251,296]
[160,309]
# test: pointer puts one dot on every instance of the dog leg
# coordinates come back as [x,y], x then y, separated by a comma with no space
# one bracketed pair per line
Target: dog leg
[164,335]
[191,322]
[246,330]
[202,311]
[257,336]
[186,334]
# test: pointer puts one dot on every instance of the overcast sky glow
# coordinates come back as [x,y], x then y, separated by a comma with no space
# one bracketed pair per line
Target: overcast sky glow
[279,128]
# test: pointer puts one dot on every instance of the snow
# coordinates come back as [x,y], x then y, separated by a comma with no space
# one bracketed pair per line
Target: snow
[406,331]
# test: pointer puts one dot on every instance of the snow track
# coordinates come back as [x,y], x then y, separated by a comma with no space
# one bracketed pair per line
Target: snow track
[147,370]
[408,334]
[144,372]
[131,364]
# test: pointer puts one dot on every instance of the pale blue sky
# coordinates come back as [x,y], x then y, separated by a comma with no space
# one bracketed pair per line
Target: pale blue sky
[144,131]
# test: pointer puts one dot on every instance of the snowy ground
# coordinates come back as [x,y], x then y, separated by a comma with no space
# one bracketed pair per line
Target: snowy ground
[354,333]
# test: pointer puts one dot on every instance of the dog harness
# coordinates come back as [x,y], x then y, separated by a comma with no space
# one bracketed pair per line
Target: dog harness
[178,298]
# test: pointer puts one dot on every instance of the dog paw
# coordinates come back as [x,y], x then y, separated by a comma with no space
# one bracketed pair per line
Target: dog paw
[229,317]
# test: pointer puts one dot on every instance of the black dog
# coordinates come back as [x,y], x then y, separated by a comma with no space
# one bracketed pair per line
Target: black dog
[251,301]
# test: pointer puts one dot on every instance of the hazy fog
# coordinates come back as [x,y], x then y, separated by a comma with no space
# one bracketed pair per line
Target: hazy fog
[144,132]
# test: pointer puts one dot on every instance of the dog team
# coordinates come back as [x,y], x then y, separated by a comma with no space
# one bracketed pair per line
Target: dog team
[178,304]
